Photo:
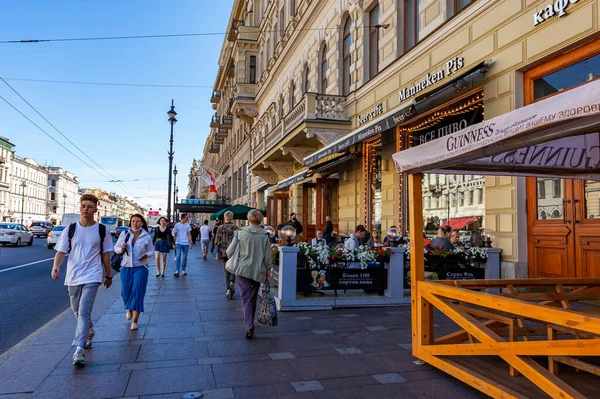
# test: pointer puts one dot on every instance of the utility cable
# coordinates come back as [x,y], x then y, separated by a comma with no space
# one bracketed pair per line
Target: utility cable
[110,84]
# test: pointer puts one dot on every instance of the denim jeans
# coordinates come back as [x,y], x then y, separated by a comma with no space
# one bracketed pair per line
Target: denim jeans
[181,253]
[82,301]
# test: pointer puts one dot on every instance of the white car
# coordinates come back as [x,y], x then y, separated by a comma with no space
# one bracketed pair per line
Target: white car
[53,236]
[15,234]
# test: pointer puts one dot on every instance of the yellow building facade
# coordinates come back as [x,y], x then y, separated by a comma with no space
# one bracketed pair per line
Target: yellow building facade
[322,93]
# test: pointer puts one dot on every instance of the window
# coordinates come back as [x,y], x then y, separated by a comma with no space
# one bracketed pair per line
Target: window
[292,95]
[471,197]
[252,70]
[373,42]
[541,189]
[565,78]
[292,8]
[246,179]
[53,183]
[52,197]
[460,4]
[282,23]
[346,57]
[556,188]
[324,68]
[306,79]
[411,23]
[280,109]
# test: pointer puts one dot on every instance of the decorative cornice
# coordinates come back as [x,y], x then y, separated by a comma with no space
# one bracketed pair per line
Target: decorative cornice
[298,153]
[267,175]
[326,137]
[284,169]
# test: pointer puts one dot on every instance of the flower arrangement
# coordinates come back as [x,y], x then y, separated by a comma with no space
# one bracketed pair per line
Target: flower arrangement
[465,256]
[324,256]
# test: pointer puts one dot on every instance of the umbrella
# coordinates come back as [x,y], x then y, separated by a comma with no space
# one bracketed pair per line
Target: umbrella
[239,212]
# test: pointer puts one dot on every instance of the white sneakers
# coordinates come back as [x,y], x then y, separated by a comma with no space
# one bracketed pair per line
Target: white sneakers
[79,357]
[183,273]
[134,326]
[89,339]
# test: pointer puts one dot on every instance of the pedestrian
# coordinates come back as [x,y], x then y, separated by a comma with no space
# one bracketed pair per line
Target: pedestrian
[443,239]
[353,242]
[88,245]
[455,239]
[136,244]
[163,242]
[327,234]
[205,234]
[295,223]
[214,235]
[280,238]
[182,233]
[223,238]
[318,240]
[194,233]
[253,264]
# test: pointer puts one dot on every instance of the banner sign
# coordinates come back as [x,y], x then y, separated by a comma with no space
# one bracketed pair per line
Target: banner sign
[451,124]
[499,134]
[451,272]
[358,136]
[292,180]
[341,279]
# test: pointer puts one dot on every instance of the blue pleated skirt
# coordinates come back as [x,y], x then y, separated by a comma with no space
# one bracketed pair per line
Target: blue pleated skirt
[133,287]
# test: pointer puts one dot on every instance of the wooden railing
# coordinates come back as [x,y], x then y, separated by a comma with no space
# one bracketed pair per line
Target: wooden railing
[521,326]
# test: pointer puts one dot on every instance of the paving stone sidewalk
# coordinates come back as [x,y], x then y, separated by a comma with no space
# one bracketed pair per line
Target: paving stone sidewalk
[191,338]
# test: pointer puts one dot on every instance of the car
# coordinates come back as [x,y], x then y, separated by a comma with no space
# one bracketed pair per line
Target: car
[40,229]
[53,236]
[15,234]
[120,229]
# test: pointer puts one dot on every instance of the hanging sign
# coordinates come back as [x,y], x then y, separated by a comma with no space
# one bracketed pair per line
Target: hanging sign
[450,124]
[378,110]
[430,79]
[558,8]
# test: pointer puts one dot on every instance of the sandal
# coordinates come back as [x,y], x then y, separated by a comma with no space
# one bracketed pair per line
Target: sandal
[157,275]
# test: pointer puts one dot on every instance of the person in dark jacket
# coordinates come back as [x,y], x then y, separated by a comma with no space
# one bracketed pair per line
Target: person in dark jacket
[195,232]
[295,223]
[163,242]
[328,229]
[214,236]
[443,239]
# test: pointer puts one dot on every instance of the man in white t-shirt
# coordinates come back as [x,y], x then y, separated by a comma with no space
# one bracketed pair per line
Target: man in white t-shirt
[88,244]
[183,242]
[205,233]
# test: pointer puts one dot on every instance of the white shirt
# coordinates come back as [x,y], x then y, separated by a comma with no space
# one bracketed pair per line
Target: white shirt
[84,264]
[351,242]
[316,242]
[180,232]
[143,246]
[205,232]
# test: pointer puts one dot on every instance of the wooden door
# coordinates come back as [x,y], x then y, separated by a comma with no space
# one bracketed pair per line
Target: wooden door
[309,211]
[278,209]
[327,203]
[586,203]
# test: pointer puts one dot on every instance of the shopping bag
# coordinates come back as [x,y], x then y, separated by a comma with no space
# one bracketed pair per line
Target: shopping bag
[231,264]
[267,308]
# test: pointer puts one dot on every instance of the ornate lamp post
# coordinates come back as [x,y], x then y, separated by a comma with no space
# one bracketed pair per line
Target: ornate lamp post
[174,193]
[172,122]
[24,186]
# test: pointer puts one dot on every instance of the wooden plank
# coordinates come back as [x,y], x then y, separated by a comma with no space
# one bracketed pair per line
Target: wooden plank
[461,335]
[579,365]
[552,296]
[527,282]
[484,384]
[552,366]
[546,381]
[519,348]
[571,331]
[417,257]
[568,318]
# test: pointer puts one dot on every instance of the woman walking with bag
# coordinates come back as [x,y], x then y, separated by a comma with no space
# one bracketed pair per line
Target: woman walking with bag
[253,264]
[136,244]
[163,242]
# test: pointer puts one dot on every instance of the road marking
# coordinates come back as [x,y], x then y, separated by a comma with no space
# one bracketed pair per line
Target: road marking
[25,265]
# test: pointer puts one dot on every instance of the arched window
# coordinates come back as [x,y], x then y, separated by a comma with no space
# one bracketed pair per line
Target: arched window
[292,95]
[346,57]
[373,42]
[306,80]
[324,68]
[281,107]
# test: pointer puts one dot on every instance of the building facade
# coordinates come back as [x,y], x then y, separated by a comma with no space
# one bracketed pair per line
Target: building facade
[6,155]
[63,194]
[29,191]
[327,91]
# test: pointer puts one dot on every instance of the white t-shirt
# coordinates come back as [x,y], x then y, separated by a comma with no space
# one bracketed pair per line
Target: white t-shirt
[181,229]
[84,264]
[205,232]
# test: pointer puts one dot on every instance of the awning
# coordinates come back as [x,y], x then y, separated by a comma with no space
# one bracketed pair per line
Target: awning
[459,223]
[291,180]
[334,162]
[557,136]
[408,110]
[239,212]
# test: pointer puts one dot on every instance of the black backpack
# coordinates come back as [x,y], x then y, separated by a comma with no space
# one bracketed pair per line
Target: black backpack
[101,230]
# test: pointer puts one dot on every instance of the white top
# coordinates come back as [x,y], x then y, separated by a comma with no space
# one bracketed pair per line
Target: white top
[143,246]
[205,232]
[351,242]
[316,242]
[180,233]
[84,264]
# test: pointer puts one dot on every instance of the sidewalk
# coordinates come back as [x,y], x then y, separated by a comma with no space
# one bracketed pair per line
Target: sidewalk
[191,338]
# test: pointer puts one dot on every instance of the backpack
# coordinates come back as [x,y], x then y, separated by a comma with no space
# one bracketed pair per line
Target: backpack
[101,230]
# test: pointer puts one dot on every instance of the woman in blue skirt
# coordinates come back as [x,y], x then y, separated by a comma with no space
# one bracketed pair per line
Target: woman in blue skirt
[163,241]
[136,244]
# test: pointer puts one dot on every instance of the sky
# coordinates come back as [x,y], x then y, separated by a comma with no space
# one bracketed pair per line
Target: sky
[123,129]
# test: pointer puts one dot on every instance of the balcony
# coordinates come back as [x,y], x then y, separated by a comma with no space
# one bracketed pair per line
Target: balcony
[222,132]
[214,148]
[248,33]
[215,98]
[214,122]
[219,140]
[226,122]
[2,160]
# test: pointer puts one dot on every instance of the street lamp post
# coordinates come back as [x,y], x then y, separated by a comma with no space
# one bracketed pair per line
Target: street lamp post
[24,185]
[64,204]
[174,192]
[172,122]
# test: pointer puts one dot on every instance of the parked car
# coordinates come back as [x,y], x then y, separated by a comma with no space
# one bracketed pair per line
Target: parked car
[119,230]
[15,234]
[53,236]
[41,229]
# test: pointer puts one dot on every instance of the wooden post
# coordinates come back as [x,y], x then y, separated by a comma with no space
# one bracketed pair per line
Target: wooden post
[422,314]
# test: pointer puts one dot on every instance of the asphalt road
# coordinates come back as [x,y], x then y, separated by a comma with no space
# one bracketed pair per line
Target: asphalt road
[29,298]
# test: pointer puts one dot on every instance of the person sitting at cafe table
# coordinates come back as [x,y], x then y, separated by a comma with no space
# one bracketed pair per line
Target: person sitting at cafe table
[353,242]
[443,239]
[455,239]
[318,240]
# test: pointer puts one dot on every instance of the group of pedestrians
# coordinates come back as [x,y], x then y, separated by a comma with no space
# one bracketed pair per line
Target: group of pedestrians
[89,244]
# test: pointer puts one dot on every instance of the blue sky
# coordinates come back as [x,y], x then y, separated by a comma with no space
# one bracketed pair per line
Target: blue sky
[124,129]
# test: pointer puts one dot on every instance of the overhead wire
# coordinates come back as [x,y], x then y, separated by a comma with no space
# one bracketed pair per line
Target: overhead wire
[110,84]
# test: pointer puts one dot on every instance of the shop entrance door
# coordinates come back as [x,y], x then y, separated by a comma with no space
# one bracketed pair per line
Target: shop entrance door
[319,201]
[278,207]
[563,215]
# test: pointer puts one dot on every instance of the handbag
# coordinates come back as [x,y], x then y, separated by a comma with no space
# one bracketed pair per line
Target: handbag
[267,308]
[116,259]
[231,264]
